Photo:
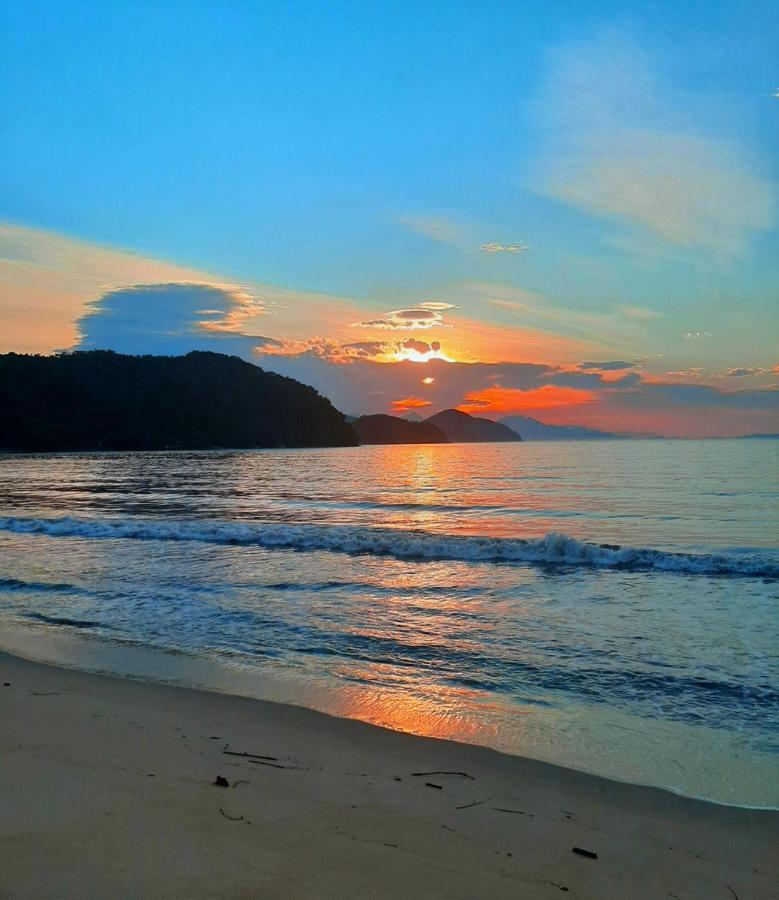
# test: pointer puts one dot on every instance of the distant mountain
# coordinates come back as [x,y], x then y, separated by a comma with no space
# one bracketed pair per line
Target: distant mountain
[381,429]
[100,400]
[459,427]
[762,437]
[533,430]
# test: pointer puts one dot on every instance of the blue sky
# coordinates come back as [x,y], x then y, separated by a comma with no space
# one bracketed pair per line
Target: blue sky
[370,155]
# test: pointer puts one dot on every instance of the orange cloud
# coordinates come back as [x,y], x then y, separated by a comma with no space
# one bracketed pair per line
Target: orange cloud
[408,403]
[502,400]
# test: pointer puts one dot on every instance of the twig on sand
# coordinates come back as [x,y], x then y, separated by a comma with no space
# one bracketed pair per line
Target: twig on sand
[588,853]
[438,787]
[469,805]
[390,845]
[260,762]
[560,887]
[231,818]
[463,774]
[518,812]
[249,755]
[45,693]
[732,891]
[242,781]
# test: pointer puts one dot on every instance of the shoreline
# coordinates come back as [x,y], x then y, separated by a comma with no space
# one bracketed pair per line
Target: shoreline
[127,660]
[111,781]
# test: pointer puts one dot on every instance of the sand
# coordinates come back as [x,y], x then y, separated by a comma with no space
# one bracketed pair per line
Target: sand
[107,790]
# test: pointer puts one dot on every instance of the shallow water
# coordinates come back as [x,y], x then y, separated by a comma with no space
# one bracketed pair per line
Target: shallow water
[454,590]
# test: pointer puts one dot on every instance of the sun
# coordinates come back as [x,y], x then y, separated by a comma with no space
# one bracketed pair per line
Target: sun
[410,354]
[428,380]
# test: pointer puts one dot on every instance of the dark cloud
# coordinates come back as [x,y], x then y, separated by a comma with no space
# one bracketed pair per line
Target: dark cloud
[169,319]
[612,365]
[741,371]
[426,315]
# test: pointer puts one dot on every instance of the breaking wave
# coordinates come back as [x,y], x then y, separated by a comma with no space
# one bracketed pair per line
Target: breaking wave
[552,549]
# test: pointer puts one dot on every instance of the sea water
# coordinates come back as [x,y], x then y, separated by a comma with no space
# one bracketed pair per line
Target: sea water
[608,606]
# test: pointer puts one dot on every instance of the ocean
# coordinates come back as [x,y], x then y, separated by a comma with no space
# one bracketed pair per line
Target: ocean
[611,607]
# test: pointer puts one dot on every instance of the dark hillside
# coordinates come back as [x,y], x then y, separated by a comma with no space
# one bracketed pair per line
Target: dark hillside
[100,400]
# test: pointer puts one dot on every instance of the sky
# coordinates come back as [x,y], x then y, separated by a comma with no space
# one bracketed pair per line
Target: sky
[555,209]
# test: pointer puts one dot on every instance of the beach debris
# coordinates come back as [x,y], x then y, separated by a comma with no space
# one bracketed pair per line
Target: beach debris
[6,684]
[518,812]
[390,845]
[422,774]
[397,778]
[241,781]
[732,891]
[221,781]
[438,787]
[261,762]
[231,818]
[582,852]
[45,693]
[469,805]
[248,755]
[560,887]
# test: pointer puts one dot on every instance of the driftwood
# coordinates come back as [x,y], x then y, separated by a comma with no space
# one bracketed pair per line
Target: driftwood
[588,853]
[463,774]
[248,755]
[469,805]
[518,812]
[261,762]
[438,787]
[231,818]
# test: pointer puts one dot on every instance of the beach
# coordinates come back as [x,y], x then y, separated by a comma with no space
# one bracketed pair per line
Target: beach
[108,789]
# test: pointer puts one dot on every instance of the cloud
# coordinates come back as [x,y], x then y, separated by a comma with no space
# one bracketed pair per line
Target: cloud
[341,352]
[422,316]
[505,401]
[48,280]
[456,234]
[623,145]
[409,403]
[612,365]
[637,312]
[741,371]
[170,319]
[494,247]
[437,228]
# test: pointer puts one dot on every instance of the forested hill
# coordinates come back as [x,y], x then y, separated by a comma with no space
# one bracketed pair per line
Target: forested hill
[100,400]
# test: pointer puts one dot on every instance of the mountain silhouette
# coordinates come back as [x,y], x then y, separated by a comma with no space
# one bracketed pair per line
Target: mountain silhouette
[101,400]
[459,427]
[382,429]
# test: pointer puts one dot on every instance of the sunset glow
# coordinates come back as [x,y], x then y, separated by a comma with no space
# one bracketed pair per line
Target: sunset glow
[510,400]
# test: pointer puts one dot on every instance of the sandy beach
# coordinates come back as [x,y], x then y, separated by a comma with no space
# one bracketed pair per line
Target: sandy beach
[108,789]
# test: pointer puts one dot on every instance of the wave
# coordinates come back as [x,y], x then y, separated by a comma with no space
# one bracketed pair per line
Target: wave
[552,549]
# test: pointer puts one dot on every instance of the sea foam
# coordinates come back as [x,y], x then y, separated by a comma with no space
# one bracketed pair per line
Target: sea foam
[552,549]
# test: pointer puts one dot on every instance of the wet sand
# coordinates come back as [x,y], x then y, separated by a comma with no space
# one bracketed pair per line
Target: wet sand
[107,790]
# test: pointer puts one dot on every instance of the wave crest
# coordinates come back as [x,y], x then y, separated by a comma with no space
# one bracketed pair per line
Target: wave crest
[552,549]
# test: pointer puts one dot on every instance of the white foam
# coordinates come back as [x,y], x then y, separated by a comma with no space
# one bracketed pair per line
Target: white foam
[553,548]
